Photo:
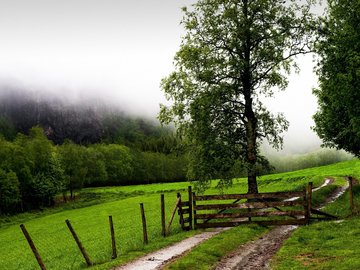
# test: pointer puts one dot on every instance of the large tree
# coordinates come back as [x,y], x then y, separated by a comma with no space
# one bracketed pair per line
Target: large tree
[234,53]
[338,118]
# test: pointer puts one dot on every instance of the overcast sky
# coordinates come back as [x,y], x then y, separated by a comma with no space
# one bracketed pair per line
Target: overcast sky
[120,50]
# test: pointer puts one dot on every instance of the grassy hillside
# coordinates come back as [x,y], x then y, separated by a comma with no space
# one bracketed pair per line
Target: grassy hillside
[59,251]
[325,245]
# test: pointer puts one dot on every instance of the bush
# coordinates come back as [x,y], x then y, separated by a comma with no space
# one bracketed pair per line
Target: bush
[9,191]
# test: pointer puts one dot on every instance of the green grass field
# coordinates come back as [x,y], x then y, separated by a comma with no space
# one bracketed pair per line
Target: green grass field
[325,245]
[90,220]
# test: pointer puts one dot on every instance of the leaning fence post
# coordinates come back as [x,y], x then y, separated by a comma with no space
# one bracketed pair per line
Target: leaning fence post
[190,207]
[77,240]
[309,197]
[33,248]
[173,213]
[144,223]
[351,194]
[162,202]
[113,243]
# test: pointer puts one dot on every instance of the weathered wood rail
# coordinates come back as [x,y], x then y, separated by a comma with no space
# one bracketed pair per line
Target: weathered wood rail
[260,208]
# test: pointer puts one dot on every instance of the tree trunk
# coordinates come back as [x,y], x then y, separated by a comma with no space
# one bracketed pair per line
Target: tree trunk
[251,120]
[251,151]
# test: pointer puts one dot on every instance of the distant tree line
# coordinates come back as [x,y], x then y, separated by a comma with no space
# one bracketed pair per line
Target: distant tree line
[33,170]
[313,159]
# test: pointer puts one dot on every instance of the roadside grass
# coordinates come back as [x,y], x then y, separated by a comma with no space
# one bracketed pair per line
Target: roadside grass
[89,217]
[327,244]
[207,254]
[341,207]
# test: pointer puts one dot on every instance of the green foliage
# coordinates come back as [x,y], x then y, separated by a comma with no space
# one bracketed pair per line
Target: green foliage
[118,161]
[37,169]
[96,169]
[38,148]
[159,167]
[233,52]
[7,129]
[337,121]
[9,191]
[72,158]
[44,170]
[140,134]
[44,176]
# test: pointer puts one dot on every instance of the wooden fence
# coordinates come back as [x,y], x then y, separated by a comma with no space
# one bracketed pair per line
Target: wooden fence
[261,208]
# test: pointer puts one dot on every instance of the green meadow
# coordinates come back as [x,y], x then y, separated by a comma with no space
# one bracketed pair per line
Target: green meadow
[325,245]
[321,245]
[89,217]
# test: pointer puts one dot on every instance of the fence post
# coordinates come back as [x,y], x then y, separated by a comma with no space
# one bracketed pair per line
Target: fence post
[306,209]
[309,198]
[113,243]
[77,240]
[33,248]
[162,202]
[351,194]
[145,235]
[181,215]
[190,207]
[194,204]
[249,208]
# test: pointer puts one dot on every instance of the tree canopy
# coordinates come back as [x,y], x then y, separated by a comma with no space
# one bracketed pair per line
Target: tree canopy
[34,172]
[234,53]
[338,118]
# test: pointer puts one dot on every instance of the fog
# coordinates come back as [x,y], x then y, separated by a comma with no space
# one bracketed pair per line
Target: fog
[117,52]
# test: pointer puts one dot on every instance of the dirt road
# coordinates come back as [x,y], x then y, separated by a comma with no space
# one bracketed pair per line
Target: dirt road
[256,254]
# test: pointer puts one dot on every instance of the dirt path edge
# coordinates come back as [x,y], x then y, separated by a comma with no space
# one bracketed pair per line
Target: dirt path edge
[160,257]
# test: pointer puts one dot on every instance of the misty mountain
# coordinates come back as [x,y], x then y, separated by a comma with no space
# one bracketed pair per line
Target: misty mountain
[81,122]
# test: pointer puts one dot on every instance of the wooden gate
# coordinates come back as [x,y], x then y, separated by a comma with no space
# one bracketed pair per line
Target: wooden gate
[272,208]
[186,211]
[261,208]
